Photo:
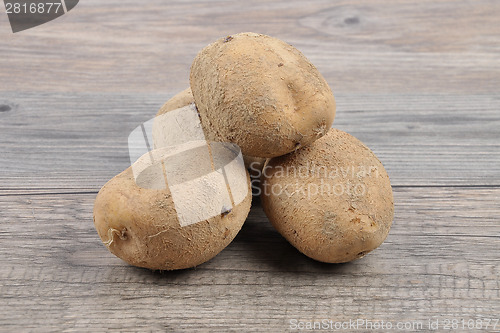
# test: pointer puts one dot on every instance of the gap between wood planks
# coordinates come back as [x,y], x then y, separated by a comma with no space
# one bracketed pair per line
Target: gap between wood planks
[21,193]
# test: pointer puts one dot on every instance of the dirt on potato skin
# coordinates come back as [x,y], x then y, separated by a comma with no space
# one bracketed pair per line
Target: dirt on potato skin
[185,98]
[140,226]
[325,221]
[260,93]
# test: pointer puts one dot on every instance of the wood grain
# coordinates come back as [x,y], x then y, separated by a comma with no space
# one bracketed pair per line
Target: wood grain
[80,141]
[439,261]
[394,46]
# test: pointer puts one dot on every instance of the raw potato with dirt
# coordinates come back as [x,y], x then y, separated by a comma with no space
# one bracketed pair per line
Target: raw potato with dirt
[331,200]
[260,93]
[263,95]
[136,218]
[161,125]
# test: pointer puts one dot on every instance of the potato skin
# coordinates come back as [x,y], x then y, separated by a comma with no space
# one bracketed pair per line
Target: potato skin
[180,100]
[330,224]
[260,93]
[185,98]
[141,227]
[254,164]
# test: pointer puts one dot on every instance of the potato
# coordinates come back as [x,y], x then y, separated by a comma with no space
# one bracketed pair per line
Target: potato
[162,125]
[180,100]
[184,224]
[167,126]
[331,200]
[254,164]
[260,93]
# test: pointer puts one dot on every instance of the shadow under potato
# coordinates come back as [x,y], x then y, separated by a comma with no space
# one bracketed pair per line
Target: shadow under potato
[264,244]
[163,277]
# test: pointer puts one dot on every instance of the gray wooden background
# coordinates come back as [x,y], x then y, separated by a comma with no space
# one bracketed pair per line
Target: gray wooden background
[417,81]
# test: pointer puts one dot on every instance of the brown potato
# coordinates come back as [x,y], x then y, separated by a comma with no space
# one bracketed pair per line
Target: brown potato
[331,200]
[261,94]
[183,123]
[138,220]
[182,99]
[254,164]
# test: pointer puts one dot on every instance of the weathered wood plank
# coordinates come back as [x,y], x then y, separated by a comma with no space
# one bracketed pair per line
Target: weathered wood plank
[79,141]
[440,261]
[391,46]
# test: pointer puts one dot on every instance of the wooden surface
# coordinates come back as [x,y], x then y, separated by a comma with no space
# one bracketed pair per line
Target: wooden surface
[417,81]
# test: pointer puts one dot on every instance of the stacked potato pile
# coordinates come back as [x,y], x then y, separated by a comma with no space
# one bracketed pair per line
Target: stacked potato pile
[321,188]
